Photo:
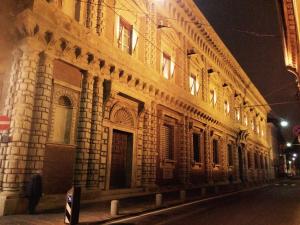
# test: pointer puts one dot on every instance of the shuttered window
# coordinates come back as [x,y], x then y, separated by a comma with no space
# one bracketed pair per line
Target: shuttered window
[167,137]
[196,147]
[255,160]
[230,155]
[249,159]
[215,152]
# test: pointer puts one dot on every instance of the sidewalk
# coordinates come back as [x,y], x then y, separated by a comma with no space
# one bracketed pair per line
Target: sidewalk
[97,213]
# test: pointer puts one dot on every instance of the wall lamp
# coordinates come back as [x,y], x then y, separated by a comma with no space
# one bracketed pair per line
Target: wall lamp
[210,71]
[191,52]
[225,85]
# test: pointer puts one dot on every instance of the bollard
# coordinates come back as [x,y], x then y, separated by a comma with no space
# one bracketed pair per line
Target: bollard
[158,200]
[114,207]
[182,195]
[203,191]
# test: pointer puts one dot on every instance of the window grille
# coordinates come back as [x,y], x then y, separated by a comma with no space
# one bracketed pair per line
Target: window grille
[167,138]
[215,152]
[230,155]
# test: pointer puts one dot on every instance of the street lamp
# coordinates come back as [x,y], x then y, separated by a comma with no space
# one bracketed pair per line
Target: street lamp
[295,155]
[284,123]
[288,144]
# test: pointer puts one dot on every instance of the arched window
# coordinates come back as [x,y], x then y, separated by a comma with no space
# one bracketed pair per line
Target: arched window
[62,121]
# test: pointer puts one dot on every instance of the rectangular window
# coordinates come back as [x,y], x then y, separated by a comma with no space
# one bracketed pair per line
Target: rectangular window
[196,147]
[249,159]
[230,155]
[166,66]
[213,98]
[125,36]
[262,166]
[255,160]
[194,84]
[168,141]
[215,152]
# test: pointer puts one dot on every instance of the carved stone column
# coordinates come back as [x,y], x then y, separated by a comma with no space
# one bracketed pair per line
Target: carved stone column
[84,131]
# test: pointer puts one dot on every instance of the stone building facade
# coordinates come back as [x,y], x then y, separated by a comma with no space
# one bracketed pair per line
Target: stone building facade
[123,97]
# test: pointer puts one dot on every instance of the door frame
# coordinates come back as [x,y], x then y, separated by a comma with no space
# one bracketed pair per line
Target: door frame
[109,155]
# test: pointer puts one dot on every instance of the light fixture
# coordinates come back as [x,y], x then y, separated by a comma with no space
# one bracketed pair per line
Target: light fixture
[288,144]
[284,123]
[225,85]
[191,52]
[210,71]
[293,158]
[295,155]
[159,26]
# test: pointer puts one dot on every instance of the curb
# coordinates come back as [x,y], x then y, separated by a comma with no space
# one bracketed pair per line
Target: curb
[147,212]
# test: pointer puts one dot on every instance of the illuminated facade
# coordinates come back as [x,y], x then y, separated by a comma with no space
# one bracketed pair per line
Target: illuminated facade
[123,97]
[290,13]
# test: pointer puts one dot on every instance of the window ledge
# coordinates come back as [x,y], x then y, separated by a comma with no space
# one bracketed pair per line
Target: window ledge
[61,144]
[169,161]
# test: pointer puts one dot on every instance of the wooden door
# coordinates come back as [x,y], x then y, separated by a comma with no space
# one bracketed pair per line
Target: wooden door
[121,159]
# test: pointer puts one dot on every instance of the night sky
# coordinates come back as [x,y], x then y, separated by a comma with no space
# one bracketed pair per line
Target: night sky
[251,31]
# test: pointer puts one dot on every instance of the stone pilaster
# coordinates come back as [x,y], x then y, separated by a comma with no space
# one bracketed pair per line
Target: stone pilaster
[99,16]
[207,155]
[149,147]
[96,127]
[84,131]
[183,137]
[40,118]
[20,110]
[17,56]
[21,119]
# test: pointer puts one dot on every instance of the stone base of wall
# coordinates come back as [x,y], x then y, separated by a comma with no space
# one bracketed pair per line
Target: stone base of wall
[12,204]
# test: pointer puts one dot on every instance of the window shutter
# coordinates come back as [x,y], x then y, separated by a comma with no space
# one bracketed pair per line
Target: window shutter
[134,39]
[172,68]
[197,85]
[117,28]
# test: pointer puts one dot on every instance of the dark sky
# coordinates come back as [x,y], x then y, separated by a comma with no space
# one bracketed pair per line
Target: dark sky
[245,27]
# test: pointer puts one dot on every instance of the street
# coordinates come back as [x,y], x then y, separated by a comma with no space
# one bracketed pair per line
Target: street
[275,205]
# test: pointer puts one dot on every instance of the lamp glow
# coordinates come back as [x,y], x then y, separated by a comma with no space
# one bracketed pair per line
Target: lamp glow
[289,144]
[284,123]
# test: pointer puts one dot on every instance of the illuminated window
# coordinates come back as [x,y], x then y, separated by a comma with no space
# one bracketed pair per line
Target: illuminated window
[62,121]
[213,97]
[194,84]
[237,114]
[226,107]
[245,120]
[167,66]
[215,152]
[124,36]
